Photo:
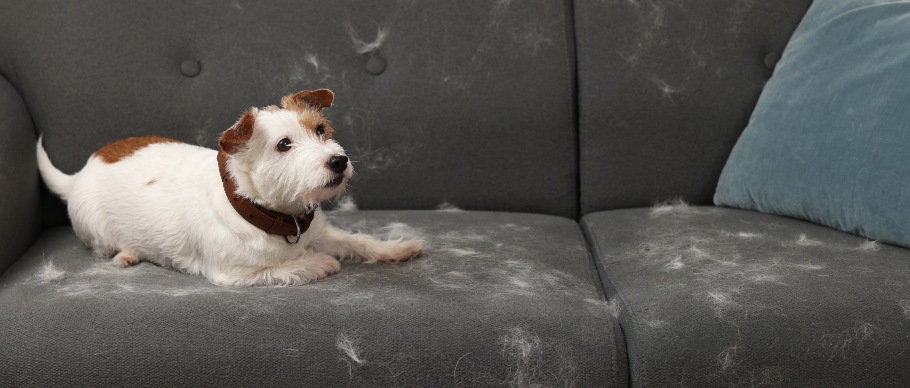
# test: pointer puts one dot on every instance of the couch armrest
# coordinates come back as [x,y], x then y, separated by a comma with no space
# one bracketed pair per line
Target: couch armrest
[20,212]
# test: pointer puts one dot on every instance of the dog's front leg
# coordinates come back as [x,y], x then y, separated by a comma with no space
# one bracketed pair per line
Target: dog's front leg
[366,248]
[308,267]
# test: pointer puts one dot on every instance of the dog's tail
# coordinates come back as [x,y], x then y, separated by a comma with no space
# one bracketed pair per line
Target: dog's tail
[58,182]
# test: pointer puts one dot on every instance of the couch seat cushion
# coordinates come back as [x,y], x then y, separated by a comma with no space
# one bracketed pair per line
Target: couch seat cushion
[713,296]
[497,298]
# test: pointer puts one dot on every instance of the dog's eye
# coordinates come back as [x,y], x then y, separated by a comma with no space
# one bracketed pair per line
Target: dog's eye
[320,129]
[283,145]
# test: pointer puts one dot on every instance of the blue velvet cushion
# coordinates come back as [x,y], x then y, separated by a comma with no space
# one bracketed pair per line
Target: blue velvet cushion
[829,140]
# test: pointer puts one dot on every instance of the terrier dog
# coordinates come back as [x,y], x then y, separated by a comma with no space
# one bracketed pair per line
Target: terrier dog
[244,215]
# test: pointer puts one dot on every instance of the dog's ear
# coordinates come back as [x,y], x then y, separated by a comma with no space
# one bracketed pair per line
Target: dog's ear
[314,99]
[238,134]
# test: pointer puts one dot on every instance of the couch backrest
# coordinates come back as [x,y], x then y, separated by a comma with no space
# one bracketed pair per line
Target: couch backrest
[449,101]
[665,89]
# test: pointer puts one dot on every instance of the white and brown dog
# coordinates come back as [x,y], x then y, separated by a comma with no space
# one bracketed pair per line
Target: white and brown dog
[241,216]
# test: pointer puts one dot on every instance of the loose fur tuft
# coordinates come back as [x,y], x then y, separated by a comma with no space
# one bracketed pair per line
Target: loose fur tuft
[448,207]
[676,206]
[346,204]
[49,273]
[347,347]
[361,47]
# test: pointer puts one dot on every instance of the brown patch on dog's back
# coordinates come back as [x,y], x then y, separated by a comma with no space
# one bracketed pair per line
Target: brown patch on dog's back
[116,151]
[151,182]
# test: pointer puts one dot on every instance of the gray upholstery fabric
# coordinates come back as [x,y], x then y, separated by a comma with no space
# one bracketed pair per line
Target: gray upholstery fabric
[19,212]
[471,102]
[713,296]
[665,89]
[497,299]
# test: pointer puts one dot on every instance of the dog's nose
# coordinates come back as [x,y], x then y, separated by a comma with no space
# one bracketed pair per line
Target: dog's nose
[338,163]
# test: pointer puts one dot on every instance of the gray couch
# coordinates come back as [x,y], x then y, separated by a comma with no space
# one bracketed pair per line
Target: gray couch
[547,130]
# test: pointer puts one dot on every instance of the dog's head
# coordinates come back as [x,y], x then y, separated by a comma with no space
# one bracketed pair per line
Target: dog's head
[285,159]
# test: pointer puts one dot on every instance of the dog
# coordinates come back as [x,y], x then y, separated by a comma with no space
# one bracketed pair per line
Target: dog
[245,215]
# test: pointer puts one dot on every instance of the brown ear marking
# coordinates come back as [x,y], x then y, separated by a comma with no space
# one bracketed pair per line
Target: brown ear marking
[237,135]
[314,99]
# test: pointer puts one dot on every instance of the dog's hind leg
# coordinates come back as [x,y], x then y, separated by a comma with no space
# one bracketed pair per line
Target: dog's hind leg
[366,248]
[126,258]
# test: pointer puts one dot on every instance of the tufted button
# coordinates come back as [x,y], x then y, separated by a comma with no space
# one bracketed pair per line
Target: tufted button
[771,60]
[190,68]
[375,65]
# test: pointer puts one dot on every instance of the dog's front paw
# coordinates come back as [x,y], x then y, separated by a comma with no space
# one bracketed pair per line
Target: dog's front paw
[320,265]
[302,270]
[397,251]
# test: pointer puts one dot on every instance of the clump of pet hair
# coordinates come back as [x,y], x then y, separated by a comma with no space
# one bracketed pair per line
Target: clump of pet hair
[49,273]
[726,358]
[401,231]
[346,204]
[806,241]
[675,206]
[612,306]
[448,207]
[747,235]
[905,307]
[347,347]
[362,47]
[675,263]
[869,246]
[462,252]
[523,346]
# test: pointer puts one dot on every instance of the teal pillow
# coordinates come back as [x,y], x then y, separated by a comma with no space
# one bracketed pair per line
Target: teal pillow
[829,140]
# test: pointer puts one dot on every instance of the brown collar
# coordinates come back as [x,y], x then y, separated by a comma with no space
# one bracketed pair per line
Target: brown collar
[267,220]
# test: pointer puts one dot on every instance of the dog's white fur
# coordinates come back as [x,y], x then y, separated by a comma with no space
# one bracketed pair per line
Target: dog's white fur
[165,204]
